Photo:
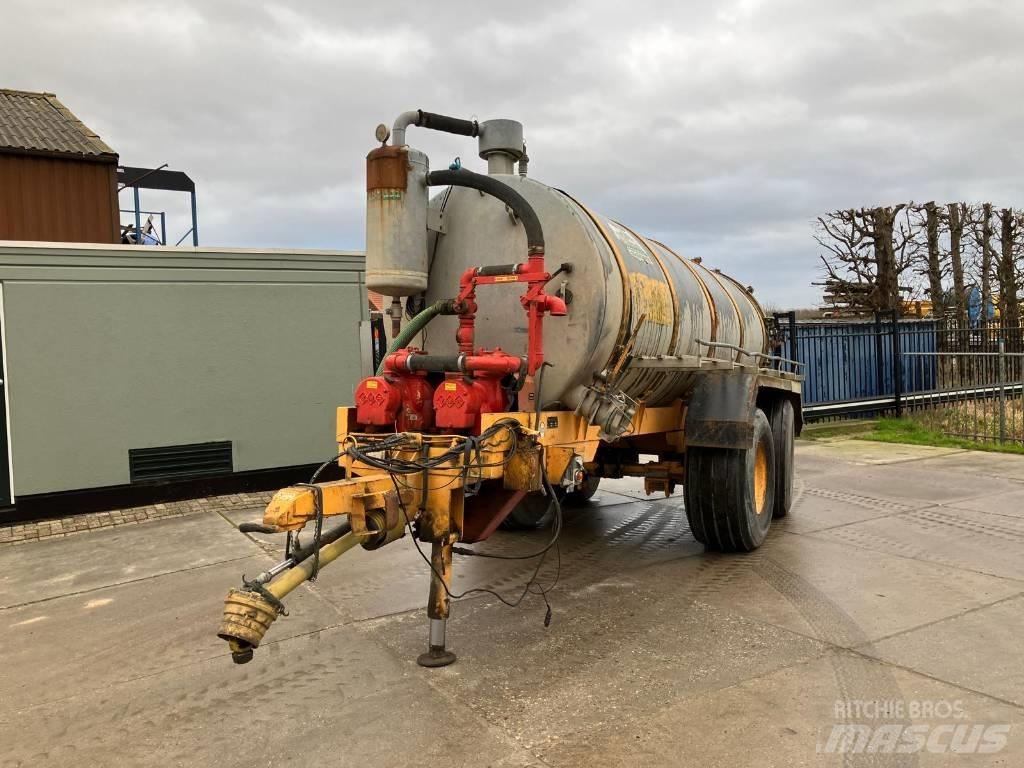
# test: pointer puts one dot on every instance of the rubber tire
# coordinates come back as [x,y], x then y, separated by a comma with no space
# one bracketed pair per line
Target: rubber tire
[533,512]
[584,493]
[783,433]
[719,493]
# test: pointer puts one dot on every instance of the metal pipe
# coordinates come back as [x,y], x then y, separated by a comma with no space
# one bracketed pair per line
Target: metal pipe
[437,633]
[1002,390]
[138,219]
[301,573]
[414,326]
[195,222]
[402,122]
[438,606]
[741,351]
[500,162]
[300,554]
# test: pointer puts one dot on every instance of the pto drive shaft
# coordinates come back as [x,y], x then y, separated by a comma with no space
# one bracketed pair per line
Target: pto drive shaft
[248,613]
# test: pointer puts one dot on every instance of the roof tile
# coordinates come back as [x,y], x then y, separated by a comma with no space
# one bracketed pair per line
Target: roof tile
[38,122]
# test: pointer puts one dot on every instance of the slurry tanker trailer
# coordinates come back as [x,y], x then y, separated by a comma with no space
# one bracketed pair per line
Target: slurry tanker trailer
[550,347]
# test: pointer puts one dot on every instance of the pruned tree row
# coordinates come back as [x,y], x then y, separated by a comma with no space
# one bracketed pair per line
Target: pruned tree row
[960,263]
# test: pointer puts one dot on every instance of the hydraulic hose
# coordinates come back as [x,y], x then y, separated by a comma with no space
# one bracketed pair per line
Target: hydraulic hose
[502,191]
[447,124]
[431,121]
[417,324]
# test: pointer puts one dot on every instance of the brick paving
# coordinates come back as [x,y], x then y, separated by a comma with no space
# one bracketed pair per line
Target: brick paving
[20,533]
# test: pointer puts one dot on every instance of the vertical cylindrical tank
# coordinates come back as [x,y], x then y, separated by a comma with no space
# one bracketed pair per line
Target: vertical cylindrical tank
[396,221]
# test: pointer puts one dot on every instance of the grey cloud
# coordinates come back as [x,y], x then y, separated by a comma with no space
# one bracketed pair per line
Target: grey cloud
[723,128]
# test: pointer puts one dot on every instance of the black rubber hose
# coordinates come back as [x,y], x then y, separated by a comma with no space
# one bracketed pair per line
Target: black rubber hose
[500,190]
[435,363]
[256,528]
[498,269]
[436,122]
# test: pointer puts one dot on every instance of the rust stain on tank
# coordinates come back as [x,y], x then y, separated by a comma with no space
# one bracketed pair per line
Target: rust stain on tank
[387,168]
[652,298]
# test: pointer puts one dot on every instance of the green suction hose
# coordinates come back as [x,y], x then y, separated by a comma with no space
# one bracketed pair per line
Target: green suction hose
[417,324]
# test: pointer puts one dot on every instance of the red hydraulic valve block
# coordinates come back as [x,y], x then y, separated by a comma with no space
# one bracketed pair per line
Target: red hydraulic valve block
[377,402]
[472,383]
[405,401]
[459,401]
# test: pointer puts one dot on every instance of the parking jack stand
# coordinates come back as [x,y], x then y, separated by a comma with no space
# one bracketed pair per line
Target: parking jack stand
[441,565]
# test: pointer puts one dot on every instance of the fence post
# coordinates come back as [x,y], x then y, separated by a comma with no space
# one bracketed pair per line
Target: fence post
[879,371]
[1002,390]
[897,365]
[792,339]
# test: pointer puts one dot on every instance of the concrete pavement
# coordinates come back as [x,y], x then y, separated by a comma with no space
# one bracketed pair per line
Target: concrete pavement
[896,582]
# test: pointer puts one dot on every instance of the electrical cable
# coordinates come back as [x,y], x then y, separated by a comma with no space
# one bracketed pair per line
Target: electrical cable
[485,590]
[318,528]
[378,453]
[557,530]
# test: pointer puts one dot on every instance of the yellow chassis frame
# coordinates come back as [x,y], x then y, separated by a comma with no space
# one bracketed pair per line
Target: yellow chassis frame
[560,435]
[381,506]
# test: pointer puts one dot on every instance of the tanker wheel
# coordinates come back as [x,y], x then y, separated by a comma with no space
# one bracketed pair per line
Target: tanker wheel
[584,493]
[533,512]
[783,432]
[729,493]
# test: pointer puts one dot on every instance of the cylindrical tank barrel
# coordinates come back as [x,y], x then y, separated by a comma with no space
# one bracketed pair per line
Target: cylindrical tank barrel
[629,297]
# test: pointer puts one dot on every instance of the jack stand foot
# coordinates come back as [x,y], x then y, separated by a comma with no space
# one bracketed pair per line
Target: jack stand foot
[435,657]
[438,655]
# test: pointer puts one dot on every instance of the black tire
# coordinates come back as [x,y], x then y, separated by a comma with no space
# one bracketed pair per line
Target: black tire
[783,432]
[729,493]
[533,512]
[584,493]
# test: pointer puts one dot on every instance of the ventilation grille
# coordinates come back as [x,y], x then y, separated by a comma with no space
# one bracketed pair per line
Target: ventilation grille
[180,462]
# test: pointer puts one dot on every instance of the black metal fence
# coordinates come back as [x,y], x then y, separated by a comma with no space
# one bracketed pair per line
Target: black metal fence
[967,382]
[979,391]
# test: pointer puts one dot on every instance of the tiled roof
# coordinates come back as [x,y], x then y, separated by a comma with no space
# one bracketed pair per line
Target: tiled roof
[38,123]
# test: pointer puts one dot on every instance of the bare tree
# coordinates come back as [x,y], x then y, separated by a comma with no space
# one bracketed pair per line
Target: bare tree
[927,219]
[984,234]
[849,282]
[867,255]
[1007,273]
[957,217]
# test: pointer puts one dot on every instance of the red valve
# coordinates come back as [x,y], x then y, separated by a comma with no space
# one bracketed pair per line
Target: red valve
[377,402]
[473,377]
[459,401]
[405,401]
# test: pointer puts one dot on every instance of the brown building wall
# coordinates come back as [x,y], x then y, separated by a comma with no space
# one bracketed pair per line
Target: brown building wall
[58,200]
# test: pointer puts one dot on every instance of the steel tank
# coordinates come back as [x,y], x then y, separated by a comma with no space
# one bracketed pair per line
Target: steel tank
[628,296]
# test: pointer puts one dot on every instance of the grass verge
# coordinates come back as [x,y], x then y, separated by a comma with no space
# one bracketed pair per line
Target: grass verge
[908,431]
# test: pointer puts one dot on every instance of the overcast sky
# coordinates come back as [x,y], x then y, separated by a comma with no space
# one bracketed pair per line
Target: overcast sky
[722,128]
